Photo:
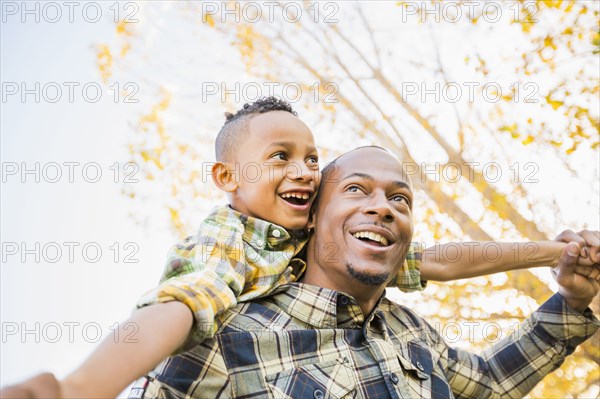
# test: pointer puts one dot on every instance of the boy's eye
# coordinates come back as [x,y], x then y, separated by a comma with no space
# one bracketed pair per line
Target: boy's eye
[279,155]
[353,189]
[312,160]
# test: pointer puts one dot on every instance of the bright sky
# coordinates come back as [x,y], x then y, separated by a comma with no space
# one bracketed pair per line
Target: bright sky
[80,138]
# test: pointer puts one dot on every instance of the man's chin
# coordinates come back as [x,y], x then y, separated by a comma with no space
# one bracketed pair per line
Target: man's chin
[370,278]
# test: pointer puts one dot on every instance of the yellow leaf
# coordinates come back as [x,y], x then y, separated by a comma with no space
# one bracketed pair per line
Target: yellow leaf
[549,42]
[176,219]
[209,20]
[104,60]
[556,143]
[528,140]
[122,28]
[554,103]
[596,145]
[125,49]
[512,129]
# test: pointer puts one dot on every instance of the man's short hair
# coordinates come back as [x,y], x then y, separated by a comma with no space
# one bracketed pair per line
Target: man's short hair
[332,167]
[236,126]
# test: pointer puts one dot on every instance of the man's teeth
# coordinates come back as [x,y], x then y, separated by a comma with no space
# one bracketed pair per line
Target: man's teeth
[303,196]
[371,236]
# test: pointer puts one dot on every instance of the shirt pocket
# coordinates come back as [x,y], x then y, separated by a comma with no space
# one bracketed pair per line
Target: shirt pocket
[417,362]
[416,359]
[330,379]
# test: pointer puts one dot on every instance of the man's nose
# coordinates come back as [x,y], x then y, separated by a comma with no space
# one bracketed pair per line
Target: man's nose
[379,205]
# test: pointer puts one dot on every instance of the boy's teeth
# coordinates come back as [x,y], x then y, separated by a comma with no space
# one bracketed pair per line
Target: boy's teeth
[303,196]
[371,236]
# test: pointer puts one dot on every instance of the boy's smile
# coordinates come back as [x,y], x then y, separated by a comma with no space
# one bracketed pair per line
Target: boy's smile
[276,171]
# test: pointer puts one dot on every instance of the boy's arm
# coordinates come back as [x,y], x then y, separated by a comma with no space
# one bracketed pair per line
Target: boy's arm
[162,329]
[463,260]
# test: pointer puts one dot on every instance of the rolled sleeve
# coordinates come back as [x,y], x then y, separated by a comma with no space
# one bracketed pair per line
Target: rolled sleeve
[513,366]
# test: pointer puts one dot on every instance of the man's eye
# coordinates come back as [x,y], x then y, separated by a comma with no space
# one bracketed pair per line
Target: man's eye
[400,198]
[353,189]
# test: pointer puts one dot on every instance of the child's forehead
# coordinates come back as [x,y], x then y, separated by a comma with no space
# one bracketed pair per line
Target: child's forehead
[280,126]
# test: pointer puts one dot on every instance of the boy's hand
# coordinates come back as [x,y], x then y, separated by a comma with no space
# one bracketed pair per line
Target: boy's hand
[42,386]
[588,241]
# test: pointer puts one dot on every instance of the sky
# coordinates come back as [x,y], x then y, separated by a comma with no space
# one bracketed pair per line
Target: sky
[88,260]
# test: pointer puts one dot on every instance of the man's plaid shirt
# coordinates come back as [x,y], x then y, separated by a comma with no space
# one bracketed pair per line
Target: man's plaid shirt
[236,258]
[309,342]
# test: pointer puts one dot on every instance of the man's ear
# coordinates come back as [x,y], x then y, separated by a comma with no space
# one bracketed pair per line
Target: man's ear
[223,177]
[311,220]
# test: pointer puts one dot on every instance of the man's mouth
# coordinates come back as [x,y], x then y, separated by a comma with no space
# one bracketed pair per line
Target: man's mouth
[371,238]
[296,198]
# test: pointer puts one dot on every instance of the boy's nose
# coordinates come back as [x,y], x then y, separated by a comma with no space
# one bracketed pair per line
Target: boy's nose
[299,171]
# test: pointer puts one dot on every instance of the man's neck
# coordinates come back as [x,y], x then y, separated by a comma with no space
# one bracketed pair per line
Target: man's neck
[365,295]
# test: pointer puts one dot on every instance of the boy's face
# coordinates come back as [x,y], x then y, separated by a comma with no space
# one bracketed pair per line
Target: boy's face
[277,170]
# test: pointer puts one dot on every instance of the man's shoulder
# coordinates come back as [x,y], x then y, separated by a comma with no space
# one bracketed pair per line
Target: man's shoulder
[402,315]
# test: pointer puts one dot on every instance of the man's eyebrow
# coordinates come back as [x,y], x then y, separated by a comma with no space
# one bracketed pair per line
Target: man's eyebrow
[361,175]
[397,183]
[401,184]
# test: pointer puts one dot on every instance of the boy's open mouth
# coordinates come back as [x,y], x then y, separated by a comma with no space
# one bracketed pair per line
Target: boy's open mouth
[296,198]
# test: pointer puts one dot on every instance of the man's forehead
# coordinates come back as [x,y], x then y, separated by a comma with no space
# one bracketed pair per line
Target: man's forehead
[371,163]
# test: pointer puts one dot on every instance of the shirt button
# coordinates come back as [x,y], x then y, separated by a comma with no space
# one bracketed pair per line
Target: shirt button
[394,378]
[276,233]
[318,394]
[420,366]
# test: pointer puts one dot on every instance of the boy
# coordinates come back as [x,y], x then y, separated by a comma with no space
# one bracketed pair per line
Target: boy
[267,163]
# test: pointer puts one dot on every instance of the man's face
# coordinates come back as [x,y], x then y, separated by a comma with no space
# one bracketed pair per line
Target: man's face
[363,221]
[277,170]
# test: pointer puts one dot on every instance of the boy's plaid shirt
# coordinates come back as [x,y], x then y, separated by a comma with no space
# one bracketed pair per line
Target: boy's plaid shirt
[236,258]
[310,342]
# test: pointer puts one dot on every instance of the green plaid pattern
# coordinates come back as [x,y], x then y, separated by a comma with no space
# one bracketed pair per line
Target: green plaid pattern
[236,258]
[309,342]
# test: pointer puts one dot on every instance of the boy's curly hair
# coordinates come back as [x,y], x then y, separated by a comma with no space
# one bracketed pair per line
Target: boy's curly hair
[235,128]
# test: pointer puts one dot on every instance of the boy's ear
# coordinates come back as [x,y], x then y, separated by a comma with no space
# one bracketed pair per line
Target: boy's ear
[223,177]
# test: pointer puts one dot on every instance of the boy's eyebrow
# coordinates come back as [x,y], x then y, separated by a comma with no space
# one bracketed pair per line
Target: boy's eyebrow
[365,176]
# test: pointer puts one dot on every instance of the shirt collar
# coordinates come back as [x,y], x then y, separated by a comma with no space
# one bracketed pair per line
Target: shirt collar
[321,307]
[256,232]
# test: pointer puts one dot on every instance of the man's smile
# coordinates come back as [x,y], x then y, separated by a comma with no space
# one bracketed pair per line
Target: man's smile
[373,237]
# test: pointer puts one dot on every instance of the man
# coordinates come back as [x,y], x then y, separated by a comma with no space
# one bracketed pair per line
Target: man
[335,335]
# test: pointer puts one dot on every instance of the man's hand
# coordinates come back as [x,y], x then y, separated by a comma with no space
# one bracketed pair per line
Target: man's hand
[42,386]
[578,284]
[589,242]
